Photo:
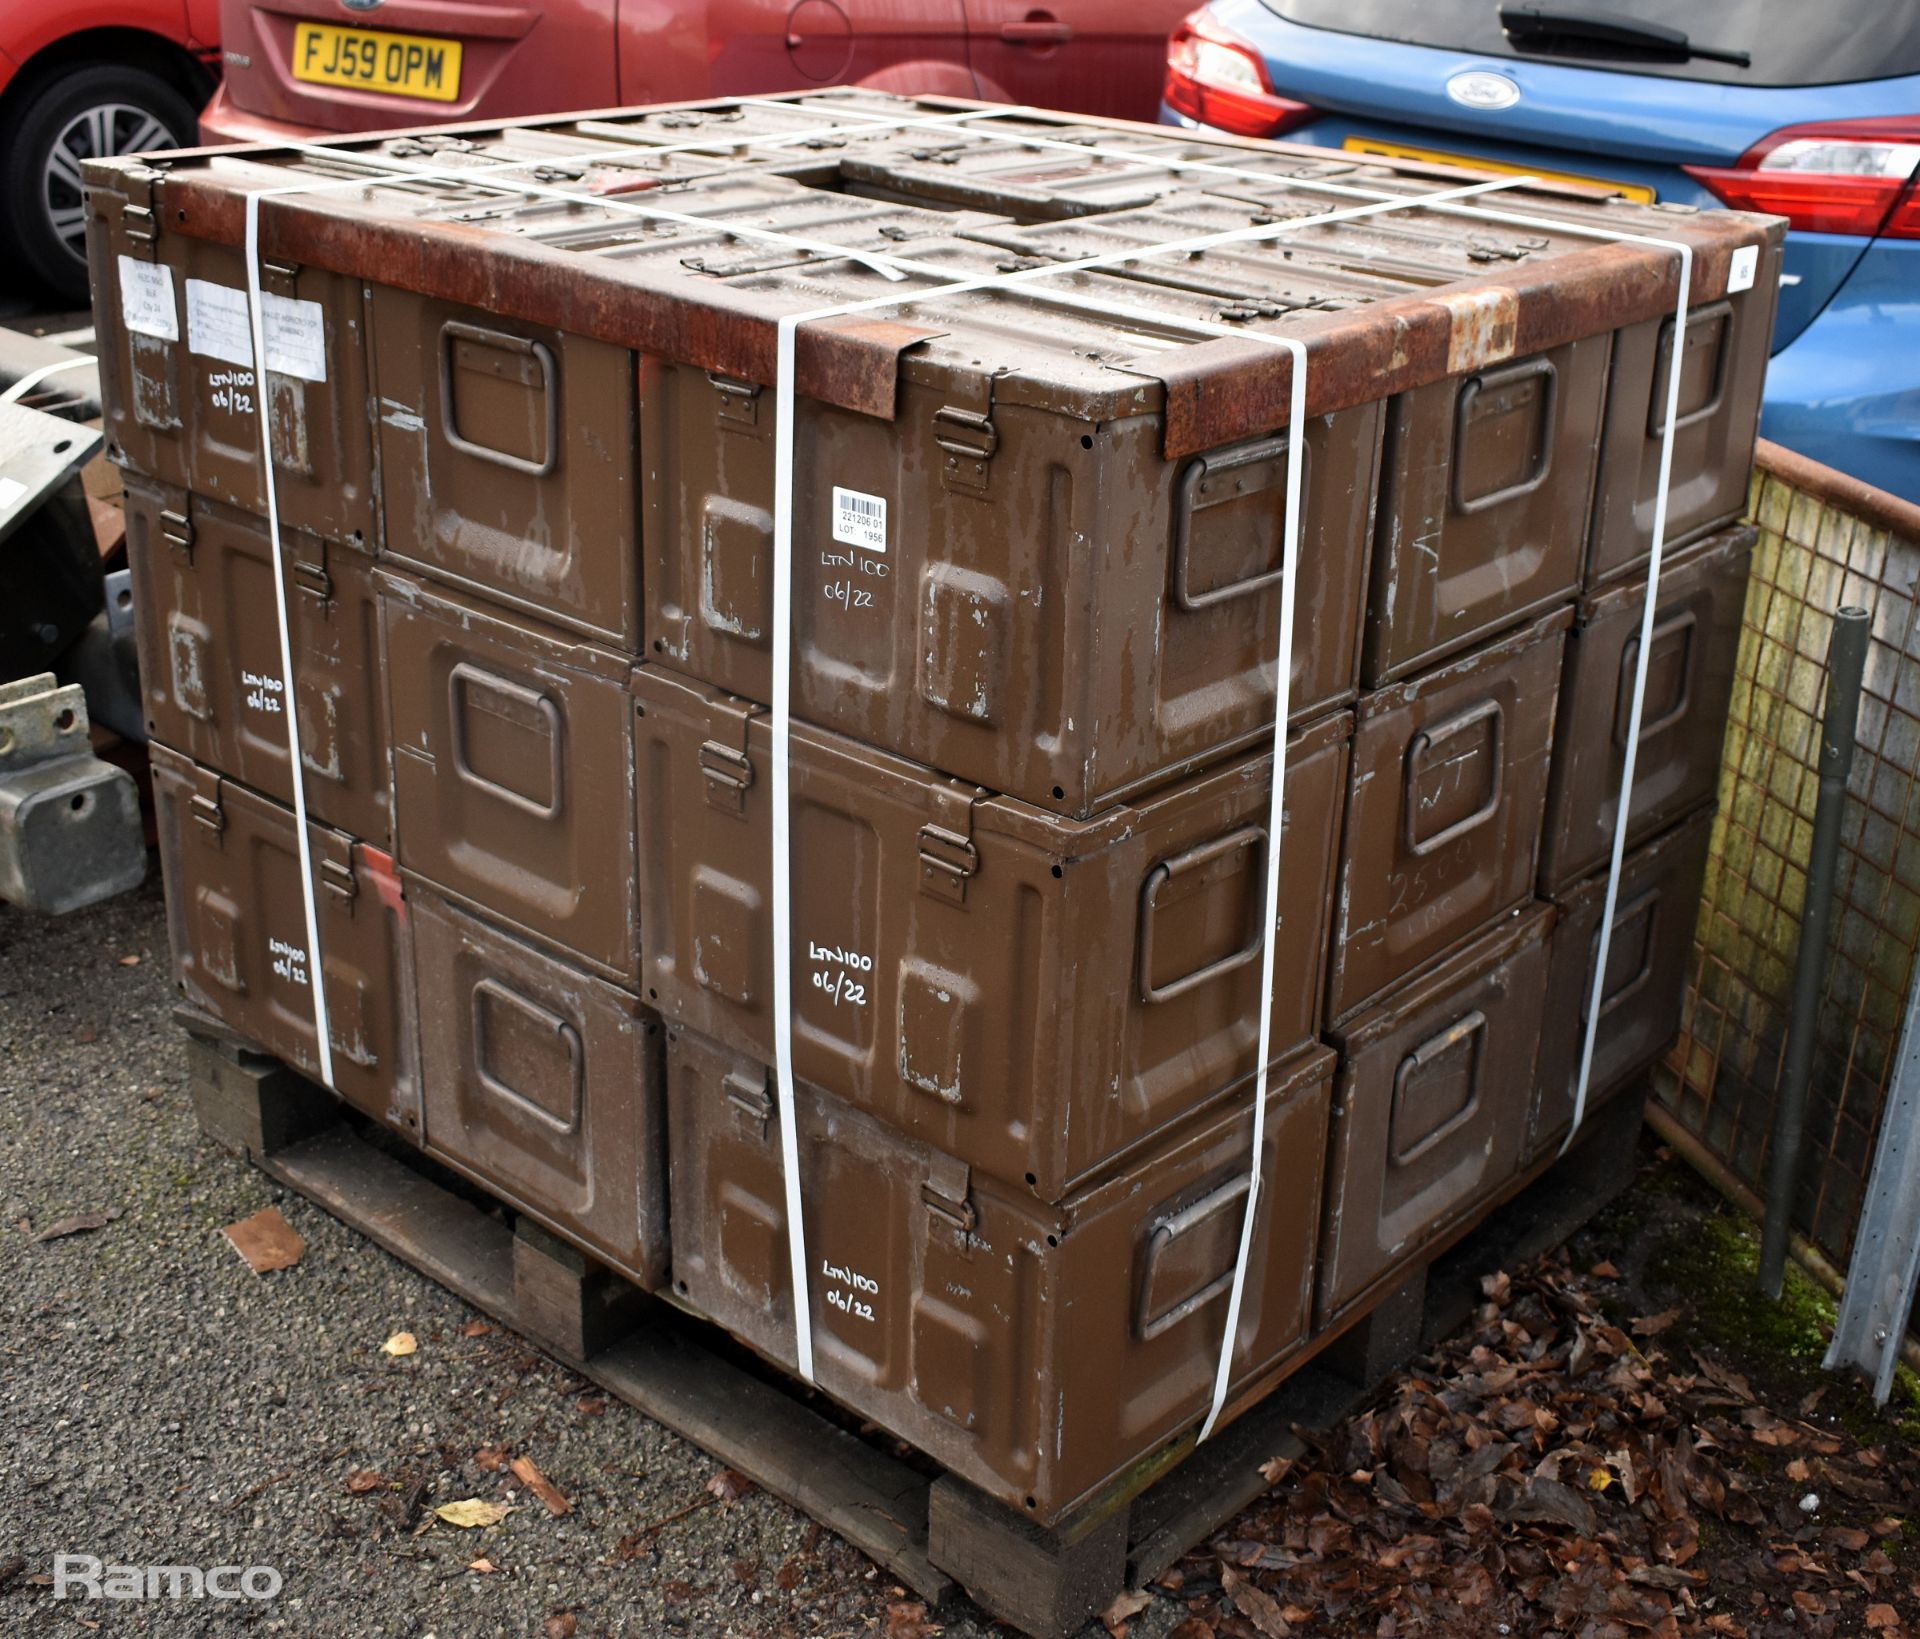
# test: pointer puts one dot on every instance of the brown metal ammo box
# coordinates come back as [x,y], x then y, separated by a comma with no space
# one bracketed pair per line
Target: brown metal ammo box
[542,1083]
[239,933]
[180,391]
[1722,373]
[1486,481]
[1056,612]
[513,771]
[210,653]
[1653,923]
[1448,785]
[1030,992]
[1430,1115]
[507,461]
[1696,643]
[1036,1351]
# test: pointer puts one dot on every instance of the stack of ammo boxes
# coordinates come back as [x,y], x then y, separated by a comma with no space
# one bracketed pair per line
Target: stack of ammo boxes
[523,450]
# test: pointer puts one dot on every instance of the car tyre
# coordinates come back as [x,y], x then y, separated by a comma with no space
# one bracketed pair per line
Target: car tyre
[81,113]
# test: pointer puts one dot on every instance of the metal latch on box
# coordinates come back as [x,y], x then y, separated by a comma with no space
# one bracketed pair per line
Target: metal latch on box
[947,854]
[176,529]
[968,437]
[948,1192]
[310,574]
[739,400]
[139,216]
[747,1093]
[206,802]
[337,875]
[723,756]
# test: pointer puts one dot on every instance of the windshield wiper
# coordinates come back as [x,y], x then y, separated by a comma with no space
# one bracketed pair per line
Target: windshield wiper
[1544,28]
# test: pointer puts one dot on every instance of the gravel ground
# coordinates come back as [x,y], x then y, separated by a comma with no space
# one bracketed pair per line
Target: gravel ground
[162,1404]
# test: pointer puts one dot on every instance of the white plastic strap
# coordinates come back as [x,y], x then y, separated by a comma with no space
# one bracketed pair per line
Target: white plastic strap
[33,378]
[316,975]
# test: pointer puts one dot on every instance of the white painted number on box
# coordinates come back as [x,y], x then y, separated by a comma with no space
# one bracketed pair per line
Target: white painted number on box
[146,299]
[842,975]
[860,520]
[289,961]
[218,328]
[848,1289]
[1741,269]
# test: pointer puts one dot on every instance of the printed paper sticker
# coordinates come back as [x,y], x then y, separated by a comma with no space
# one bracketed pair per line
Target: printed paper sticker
[217,324]
[218,327]
[860,520]
[296,337]
[146,299]
[1741,269]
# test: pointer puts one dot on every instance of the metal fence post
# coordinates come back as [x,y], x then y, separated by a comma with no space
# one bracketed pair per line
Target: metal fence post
[1846,662]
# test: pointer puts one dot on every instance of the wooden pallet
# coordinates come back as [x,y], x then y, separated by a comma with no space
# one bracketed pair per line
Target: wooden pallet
[935,1535]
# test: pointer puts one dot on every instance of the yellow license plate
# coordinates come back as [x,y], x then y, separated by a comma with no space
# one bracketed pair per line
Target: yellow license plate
[399,65]
[1433,156]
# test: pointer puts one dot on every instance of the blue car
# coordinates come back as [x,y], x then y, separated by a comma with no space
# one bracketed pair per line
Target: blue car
[1811,112]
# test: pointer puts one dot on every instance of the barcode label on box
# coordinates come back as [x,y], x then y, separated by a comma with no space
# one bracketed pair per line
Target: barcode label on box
[146,299]
[860,520]
[1741,269]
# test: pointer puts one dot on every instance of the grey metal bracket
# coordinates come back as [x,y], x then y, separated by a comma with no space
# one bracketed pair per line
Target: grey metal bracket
[1885,1267]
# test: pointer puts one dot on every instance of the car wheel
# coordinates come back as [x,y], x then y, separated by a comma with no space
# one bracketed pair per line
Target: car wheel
[87,113]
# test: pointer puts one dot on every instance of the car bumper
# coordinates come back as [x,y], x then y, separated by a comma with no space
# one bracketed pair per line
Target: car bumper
[1847,391]
[221,123]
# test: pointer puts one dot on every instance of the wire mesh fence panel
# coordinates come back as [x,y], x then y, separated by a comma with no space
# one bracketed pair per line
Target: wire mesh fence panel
[1823,543]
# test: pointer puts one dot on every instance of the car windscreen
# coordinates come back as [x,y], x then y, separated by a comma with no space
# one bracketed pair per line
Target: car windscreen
[1786,42]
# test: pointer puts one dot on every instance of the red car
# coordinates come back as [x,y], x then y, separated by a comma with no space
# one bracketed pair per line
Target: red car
[83,78]
[297,67]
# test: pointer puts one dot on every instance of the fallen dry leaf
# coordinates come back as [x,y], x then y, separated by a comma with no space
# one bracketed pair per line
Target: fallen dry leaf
[1882,1616]
[591,1405]
[908,1620]
[400,1345]
[490,1459]
[530,1476]
[471,1513]
[730,1485]
[1654,1325]
[475,1328]
[79,1224]
[1124,1608]
[266,1241]
[1193,1627]
[1275,1469]
[1604,1270]
[485,1567]
[129,961]
[560,1625]
[363,1480]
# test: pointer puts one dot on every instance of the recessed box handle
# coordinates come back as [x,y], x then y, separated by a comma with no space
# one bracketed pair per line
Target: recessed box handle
[1212,480]
[1180,1278]
[1410,1081]
[1481,399]
[538,354]
[466,683]
[1675,629]
[1248,836]
[1421,747]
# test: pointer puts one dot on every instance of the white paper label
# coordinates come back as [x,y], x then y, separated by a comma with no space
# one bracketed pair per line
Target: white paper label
[1741,269]
[217,325]
[146,299]
[860,520]
[219,328]
[296,336]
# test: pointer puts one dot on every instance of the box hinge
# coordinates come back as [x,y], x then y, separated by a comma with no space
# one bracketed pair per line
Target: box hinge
[747,1093]
[948,856]
[723,756]
[280,278]
[176,529]
[739,400]
[948,1192]
[968,438]
[206,804]
[139,215]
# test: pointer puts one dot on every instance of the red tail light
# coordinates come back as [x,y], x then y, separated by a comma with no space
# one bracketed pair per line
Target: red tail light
[1838,176]
[1218,79]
